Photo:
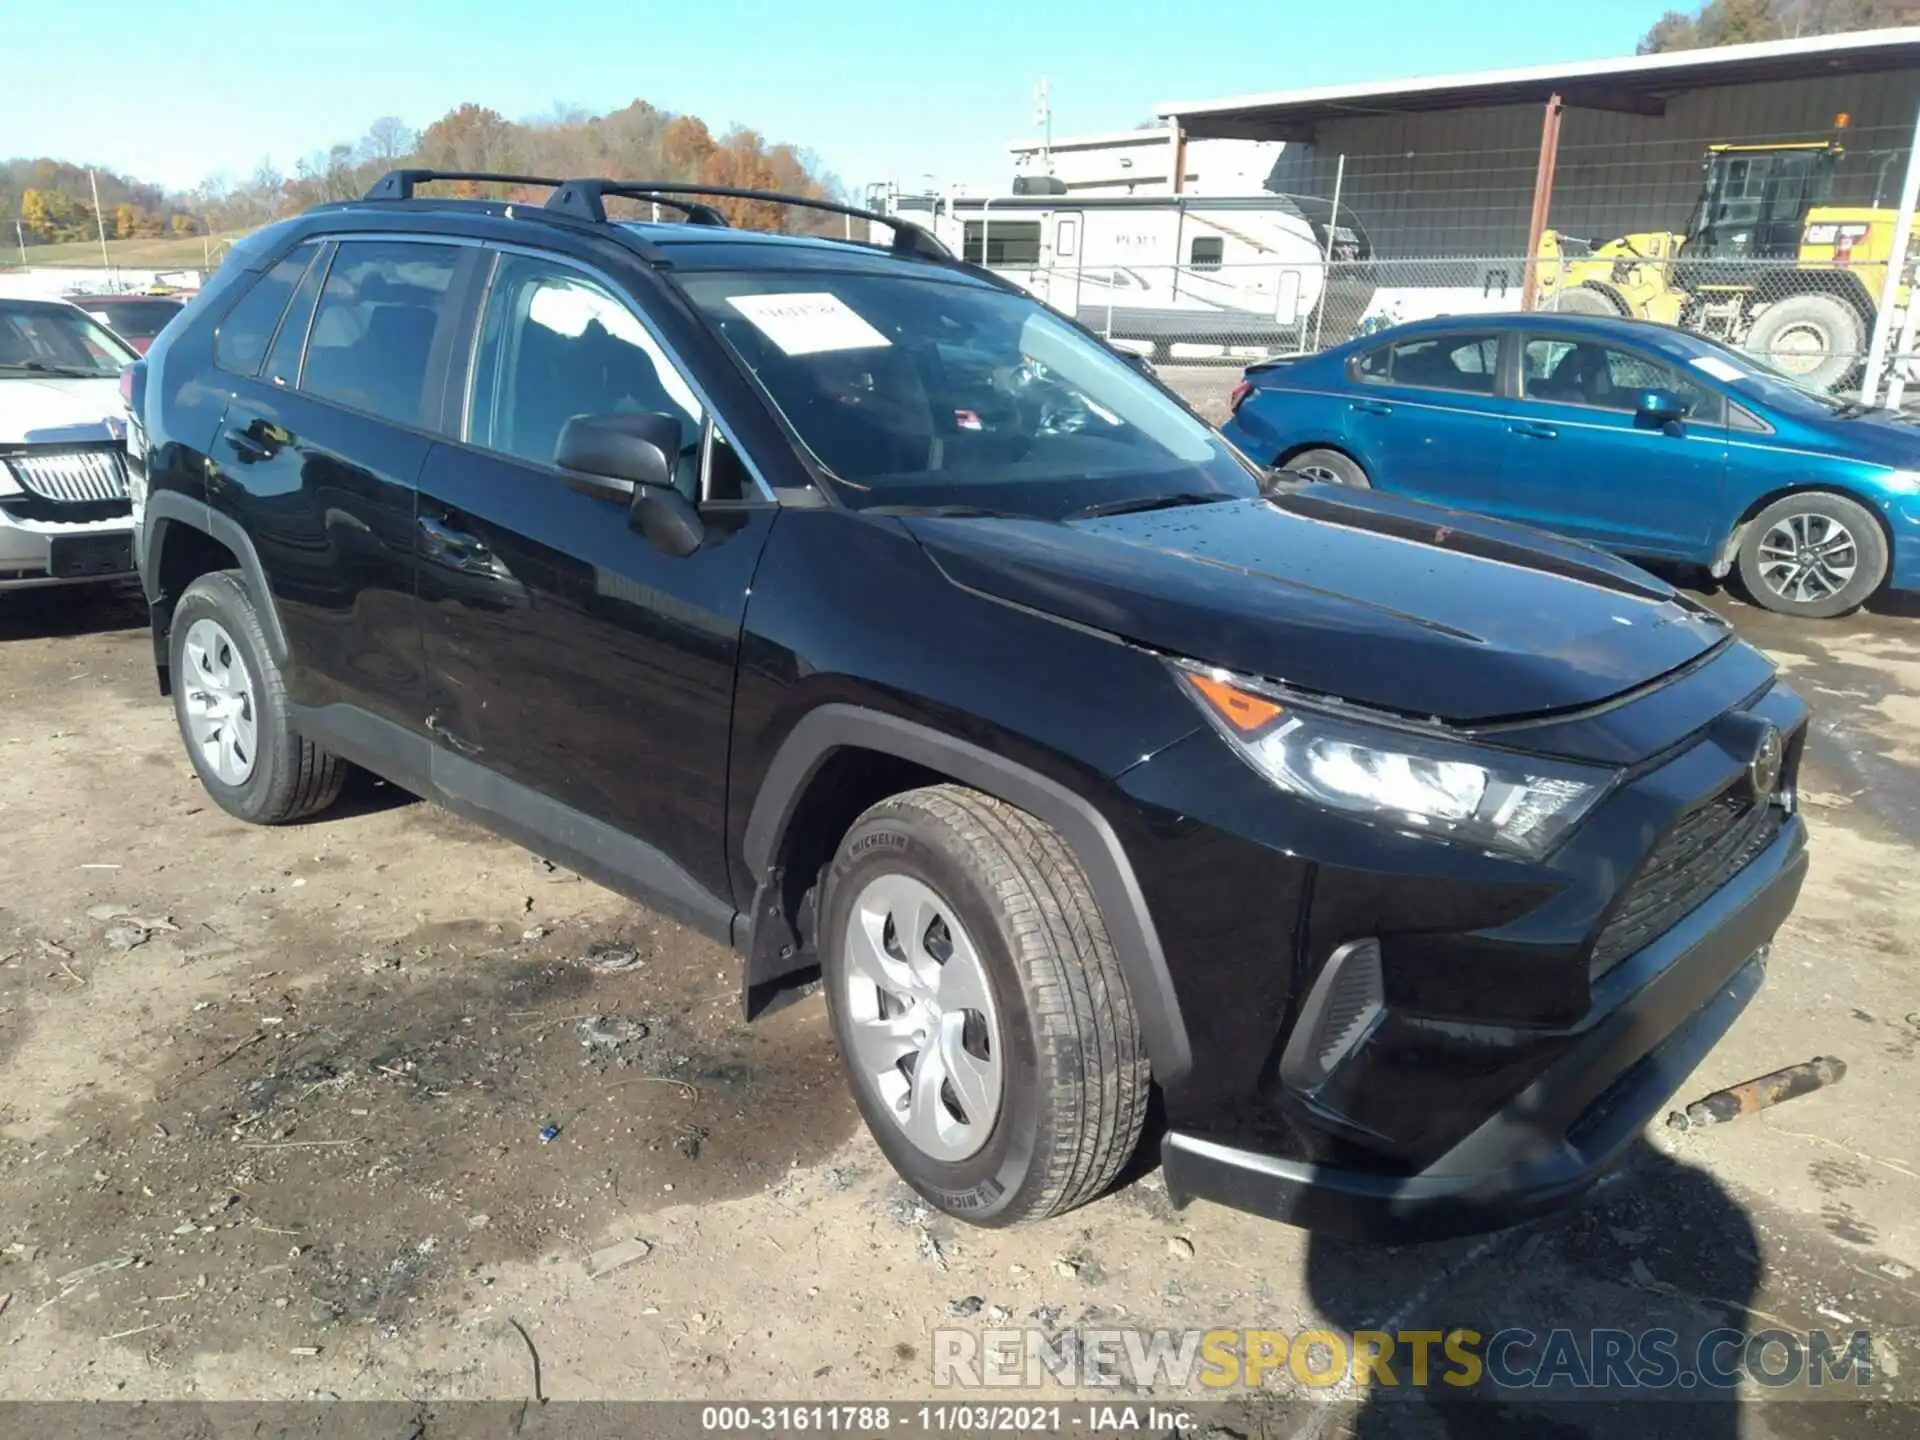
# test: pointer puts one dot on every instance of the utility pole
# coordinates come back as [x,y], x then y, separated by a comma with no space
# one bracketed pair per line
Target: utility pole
[1043,117]
[99,220]
[20,234]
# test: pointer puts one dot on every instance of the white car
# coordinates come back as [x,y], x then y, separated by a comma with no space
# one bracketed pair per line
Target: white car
[64,513]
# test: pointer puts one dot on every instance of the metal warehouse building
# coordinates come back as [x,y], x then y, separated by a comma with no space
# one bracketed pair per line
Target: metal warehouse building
[1447,167]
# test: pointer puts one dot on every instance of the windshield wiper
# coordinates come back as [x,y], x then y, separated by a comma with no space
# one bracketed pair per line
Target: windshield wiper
[1135,503]
[946,512]
[65,372]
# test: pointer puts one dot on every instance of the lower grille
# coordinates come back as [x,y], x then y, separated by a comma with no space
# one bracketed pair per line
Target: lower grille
[72,476]
[1706,849]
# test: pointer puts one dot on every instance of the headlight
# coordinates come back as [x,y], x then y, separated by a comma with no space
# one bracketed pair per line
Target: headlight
[1420,784]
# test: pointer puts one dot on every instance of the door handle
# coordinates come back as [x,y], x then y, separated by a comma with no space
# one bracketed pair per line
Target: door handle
[453,548]
[1370,407]
[1535,432]
[247,446]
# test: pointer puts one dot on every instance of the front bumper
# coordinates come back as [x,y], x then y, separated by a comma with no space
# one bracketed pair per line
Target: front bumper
[34,553]
[1654,1017]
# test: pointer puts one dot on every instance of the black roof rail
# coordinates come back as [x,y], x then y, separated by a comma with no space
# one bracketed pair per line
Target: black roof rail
[399,184]
[584,200]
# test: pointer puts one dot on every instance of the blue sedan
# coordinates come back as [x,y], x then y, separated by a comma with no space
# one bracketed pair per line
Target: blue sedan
[1639,438]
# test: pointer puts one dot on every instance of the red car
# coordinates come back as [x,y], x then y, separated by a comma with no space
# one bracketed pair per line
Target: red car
[136,319]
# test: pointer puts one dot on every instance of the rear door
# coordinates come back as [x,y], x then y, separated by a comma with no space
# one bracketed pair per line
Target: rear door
[582,679]
[1426,420]
[1580,459]
[323,440]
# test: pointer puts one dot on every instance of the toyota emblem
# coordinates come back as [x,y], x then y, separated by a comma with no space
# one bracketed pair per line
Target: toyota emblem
[1763,770]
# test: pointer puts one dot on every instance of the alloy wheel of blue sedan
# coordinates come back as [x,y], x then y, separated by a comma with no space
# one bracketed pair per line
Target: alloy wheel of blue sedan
[1807,557]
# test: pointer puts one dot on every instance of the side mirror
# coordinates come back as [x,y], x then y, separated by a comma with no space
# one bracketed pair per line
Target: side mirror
[1659,408]
[631,458]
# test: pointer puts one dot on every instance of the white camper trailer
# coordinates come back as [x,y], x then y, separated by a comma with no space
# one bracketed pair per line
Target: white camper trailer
[1254,272]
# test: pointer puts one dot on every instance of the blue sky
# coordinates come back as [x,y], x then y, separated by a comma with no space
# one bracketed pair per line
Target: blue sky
[175,91]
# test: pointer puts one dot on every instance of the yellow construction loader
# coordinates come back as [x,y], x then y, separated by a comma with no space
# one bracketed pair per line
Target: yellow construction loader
[1765,263]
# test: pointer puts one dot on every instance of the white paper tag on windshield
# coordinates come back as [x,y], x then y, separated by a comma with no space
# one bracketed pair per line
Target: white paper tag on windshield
[1719,369]
[808,324]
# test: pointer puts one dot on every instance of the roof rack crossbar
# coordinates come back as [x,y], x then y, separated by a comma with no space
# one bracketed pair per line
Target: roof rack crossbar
[584,199]
[399,184]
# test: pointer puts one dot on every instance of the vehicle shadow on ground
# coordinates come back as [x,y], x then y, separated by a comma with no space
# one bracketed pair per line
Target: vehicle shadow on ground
[1662,1247]
[60,610]
[364,793]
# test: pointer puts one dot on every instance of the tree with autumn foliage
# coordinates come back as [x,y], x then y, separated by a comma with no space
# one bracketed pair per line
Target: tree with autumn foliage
[637,142]
[1741,22]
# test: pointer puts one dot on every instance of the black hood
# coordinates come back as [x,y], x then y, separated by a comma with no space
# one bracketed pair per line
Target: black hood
[1385,602]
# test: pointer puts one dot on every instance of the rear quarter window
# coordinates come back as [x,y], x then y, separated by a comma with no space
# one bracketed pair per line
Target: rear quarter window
[240,343]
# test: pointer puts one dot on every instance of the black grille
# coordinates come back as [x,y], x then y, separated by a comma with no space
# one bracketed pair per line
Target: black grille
[1706,849]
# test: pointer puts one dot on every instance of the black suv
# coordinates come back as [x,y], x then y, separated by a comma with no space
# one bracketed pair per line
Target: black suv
[842,601]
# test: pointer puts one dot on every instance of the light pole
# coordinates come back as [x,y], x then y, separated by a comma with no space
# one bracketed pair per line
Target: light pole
[20,234]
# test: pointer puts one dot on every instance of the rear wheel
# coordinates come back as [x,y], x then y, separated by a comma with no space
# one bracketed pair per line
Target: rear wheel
[1814,555]
[979,1008]
[1816,339]
[1329,467]
[232,709]
[1584,300]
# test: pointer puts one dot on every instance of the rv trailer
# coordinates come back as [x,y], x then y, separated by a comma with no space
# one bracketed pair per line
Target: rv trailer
[1268,273]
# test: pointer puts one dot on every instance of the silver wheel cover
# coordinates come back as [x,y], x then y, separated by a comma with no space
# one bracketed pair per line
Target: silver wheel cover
[922,1027]
[218,702]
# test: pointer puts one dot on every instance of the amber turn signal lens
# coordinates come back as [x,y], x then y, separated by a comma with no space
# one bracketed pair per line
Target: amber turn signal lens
[1237,707]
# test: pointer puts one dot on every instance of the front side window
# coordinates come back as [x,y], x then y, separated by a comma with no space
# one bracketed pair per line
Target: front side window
[372,334]
[240,343]
[1579,373]
[916,390]
[58,340]
[554,345]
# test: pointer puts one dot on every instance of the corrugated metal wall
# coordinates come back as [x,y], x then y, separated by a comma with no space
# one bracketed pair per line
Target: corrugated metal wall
[1461,183]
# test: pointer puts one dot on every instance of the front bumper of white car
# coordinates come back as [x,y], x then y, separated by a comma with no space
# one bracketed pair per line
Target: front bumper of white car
[64,516]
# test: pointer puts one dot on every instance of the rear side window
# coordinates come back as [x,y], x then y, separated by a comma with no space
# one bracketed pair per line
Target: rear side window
[283,361]
[241,342]
[1464,363]
[372,335]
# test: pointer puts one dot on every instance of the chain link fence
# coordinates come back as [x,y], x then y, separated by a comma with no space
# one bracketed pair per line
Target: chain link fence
[1813,321]
[1767,221]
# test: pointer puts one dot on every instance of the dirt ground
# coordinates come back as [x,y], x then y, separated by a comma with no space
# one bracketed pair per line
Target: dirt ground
[273,1108]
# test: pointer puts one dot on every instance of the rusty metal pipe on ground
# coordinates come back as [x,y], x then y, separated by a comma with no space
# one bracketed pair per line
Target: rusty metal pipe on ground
[1760,1093]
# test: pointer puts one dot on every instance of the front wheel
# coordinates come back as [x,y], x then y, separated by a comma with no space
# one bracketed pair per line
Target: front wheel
[1813,555]
[979,1008]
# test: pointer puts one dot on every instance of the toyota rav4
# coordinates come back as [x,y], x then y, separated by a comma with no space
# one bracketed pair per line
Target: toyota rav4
[846,603]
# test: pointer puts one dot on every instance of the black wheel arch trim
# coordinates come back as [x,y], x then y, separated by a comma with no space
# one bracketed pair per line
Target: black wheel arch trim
[166,508]
[1115,887]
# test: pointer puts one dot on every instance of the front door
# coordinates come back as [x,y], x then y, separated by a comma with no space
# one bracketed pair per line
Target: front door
[1580,460]
[582,678]
[1426,419]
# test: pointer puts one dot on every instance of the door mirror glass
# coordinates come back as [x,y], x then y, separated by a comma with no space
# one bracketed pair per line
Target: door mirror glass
[1660,407]
[618,454]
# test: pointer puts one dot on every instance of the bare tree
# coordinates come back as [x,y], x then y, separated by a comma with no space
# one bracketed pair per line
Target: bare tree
[388,138]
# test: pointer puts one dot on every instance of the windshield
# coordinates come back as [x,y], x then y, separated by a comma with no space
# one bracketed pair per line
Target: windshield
[928,392]
[1765,382]
[57,340]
